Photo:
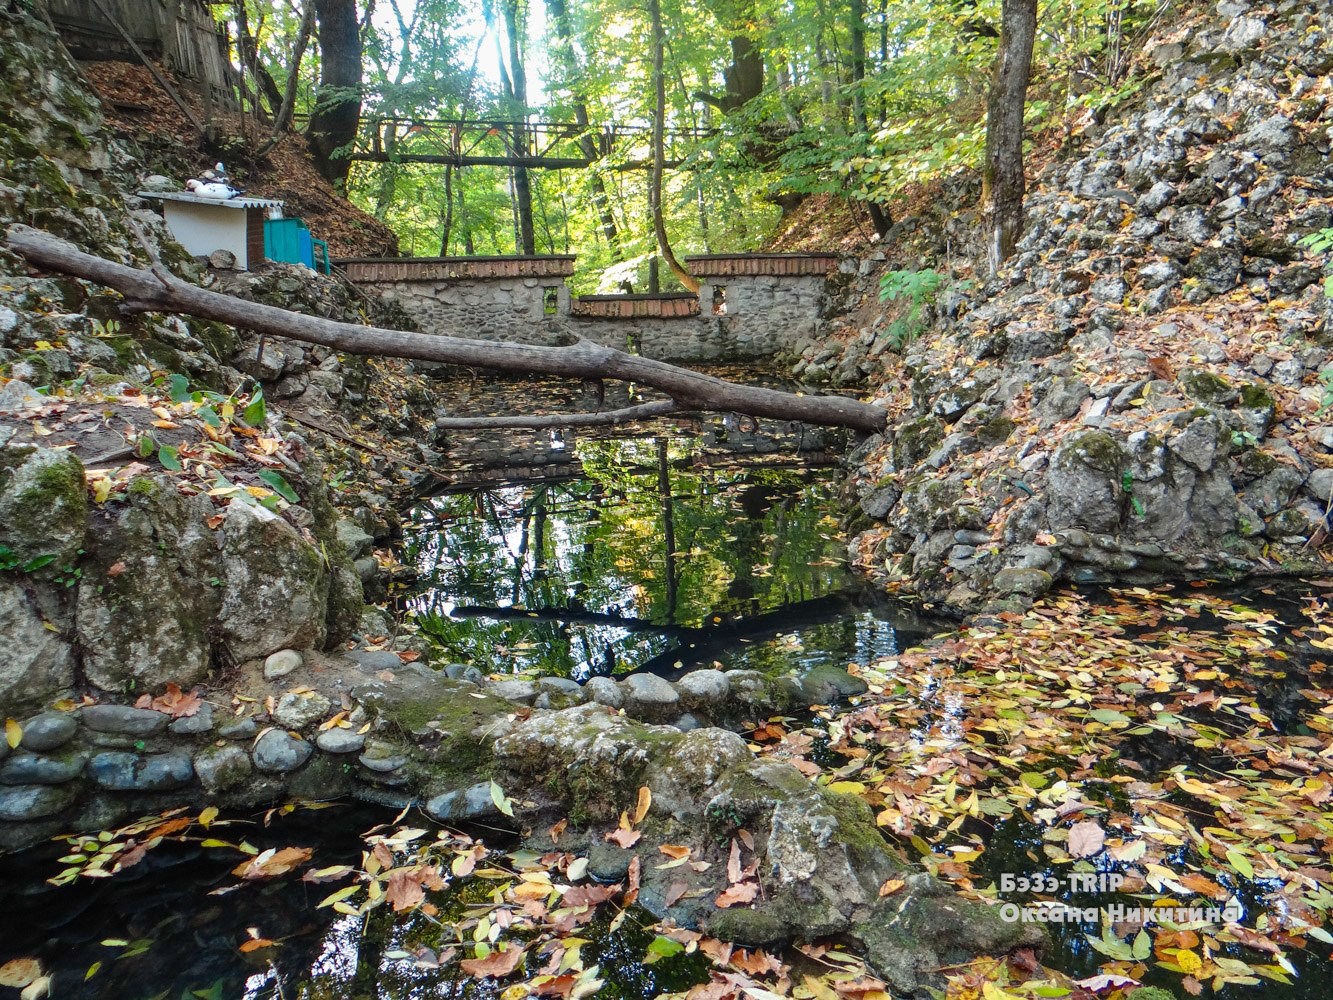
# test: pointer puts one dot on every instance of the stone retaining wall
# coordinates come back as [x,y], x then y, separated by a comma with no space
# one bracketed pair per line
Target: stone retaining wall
[88,767]
[750,307]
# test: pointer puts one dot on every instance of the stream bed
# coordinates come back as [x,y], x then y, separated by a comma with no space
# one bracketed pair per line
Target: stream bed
[714,541]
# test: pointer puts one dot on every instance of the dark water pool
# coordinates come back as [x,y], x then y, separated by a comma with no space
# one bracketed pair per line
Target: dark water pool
[648,553]
[172,927]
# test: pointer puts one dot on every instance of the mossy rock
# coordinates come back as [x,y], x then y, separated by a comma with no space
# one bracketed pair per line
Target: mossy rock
[996,430]
[153,621]
[43,506]
[1207,388]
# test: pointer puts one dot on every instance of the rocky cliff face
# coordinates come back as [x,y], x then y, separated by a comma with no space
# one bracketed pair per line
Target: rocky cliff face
[178,560]
[1138,395]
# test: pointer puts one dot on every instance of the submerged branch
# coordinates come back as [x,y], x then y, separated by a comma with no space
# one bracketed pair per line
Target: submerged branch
[643,411]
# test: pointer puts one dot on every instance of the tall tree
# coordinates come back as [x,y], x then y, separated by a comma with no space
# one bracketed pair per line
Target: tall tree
[516,87]
[1003,182]
[587,145]
[743,78]
[288,105]
[879,217]
[337,110]
[659,151]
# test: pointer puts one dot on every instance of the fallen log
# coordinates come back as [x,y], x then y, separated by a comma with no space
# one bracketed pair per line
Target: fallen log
[157,290]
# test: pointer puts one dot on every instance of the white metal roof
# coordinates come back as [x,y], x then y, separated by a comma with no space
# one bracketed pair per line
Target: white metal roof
[198,199]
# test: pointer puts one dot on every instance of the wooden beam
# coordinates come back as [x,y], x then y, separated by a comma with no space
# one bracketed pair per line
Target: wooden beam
[532,162]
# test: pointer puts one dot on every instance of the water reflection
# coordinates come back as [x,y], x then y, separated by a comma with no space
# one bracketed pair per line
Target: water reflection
[173,926]
[658,555]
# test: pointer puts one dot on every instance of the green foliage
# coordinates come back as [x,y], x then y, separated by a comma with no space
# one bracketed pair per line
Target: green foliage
[863,111]
[11,562]
[1319,243]
[280,485]
[917,289]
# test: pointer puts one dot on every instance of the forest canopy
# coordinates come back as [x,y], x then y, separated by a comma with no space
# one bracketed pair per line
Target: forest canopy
[764,104]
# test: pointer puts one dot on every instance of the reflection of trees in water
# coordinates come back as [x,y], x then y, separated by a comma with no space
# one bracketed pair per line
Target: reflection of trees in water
[645,533]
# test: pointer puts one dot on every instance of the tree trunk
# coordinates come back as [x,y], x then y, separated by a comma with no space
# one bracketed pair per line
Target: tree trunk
[659,153]
[284,117]
[518,90]
[448,222]
[879,216]
[743,78]
[1002,178]
[337,111]
[247,46]
[587,145]
[157,290]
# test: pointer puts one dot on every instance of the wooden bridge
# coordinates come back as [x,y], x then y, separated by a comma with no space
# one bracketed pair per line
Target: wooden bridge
[475,142]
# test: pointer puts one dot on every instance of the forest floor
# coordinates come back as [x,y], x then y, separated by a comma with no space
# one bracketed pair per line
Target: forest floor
[138,108]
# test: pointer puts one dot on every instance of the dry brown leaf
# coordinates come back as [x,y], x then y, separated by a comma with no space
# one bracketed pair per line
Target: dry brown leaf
[744,892]
[589,895]
[625,838]
[1086,838]
[273,862]
[757,962]
[497,963]
[641,806]
[19,972]
[734,863]
[891,886]
[676,851]
[404,891]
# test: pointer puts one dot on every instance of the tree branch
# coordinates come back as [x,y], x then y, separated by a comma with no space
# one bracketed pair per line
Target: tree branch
[146,292]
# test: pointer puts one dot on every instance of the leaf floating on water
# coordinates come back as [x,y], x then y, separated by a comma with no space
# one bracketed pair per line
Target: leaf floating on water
[1241,863]
[1086,838]
[19,972]
[273,862]
[497,964]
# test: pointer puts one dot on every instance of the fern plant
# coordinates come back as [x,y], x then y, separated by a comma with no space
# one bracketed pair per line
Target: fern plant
[918,289]
[1319,243]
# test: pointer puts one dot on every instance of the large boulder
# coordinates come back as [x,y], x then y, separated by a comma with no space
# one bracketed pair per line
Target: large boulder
[818,855]
[148,595]
[43,507]
[275,587]
[1085,488]
[37,662]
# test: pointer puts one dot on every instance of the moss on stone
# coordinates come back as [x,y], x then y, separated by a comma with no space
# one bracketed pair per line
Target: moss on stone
[996,430]
[1098,450]
[1205,387]
[1256,397]
[750,926]
[43,504]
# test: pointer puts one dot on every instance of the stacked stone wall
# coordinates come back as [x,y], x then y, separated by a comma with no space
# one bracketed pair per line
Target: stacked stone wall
[763,315]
